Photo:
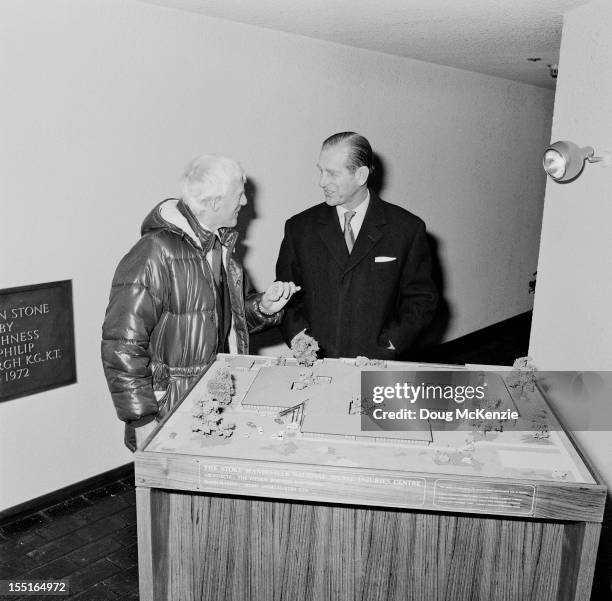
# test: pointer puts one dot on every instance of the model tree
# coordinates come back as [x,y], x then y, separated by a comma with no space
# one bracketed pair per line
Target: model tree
[523,375]
[221,386]
[304,348]
[208,411]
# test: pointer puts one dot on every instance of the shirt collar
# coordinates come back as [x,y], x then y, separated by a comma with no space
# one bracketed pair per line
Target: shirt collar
[205,236]
[360,210]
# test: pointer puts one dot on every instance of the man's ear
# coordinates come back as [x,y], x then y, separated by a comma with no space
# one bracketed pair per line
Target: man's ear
[362,175]
[215,201]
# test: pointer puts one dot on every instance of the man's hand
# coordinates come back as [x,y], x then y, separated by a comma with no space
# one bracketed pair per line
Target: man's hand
[143,432]
[277,296]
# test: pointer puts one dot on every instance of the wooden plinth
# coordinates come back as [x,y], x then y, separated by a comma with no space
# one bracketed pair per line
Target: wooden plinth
[265,517]
[200,547]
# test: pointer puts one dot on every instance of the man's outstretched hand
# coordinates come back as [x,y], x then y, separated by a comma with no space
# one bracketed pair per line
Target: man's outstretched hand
[277,296]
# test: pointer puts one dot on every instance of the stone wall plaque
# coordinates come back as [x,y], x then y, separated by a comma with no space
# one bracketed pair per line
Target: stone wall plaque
[36,339]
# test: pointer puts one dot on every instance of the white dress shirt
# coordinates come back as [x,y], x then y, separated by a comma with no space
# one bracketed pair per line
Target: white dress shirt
[357,220]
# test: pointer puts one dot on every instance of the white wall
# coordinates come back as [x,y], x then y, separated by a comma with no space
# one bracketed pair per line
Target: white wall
[102,104]
[572,320]
[572,326]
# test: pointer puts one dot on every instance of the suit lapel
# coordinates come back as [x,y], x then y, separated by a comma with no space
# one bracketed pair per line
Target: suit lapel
[369,234]
[328,229]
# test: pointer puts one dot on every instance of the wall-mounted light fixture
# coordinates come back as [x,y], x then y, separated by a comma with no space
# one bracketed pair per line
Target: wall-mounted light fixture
[564,161]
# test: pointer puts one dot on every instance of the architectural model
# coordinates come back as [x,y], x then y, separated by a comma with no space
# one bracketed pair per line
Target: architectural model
[263,407]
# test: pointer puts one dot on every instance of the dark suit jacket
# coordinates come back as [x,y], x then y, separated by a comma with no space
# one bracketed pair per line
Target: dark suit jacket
[353,304]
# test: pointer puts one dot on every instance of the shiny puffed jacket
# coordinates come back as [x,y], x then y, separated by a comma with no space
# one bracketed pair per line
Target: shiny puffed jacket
[160,329]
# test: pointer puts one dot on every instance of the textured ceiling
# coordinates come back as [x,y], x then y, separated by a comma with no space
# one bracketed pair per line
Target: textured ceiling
[495,37]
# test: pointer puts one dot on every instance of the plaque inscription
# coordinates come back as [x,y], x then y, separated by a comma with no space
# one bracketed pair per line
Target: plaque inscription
[315,484]
[490,497]
[36,339]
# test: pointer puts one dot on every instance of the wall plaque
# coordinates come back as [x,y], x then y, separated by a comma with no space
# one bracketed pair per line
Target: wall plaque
[36,339]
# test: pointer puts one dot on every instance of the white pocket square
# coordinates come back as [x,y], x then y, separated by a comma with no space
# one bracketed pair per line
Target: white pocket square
[384,259]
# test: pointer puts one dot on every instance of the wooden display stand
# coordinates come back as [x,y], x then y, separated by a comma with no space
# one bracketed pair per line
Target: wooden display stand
[256,517]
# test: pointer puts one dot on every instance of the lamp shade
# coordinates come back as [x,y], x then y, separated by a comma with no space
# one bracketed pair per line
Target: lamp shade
[563,161]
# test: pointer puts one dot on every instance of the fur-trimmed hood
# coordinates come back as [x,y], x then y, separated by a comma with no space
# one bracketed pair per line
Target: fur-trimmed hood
[167,216]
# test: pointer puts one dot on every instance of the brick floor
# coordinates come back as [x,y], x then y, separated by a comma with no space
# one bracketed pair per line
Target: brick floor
[89,539]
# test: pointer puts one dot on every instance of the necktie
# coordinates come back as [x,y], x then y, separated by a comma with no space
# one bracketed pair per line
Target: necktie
[217,261]
[222,305]
[349,236]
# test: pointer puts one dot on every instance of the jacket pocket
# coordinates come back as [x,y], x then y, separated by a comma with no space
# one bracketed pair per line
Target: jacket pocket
[384,266]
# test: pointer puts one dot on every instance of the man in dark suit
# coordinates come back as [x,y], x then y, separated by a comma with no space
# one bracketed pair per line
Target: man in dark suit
[363,264]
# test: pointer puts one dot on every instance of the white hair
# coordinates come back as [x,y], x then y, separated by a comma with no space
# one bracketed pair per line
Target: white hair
[209,176]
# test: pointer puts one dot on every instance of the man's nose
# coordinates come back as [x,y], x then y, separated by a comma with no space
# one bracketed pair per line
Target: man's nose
[322,180]
[243,200]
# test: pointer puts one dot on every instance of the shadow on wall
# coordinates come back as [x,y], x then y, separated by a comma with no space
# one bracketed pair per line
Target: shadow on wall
[247,214]
[376,181]
[271,337]
[432,335]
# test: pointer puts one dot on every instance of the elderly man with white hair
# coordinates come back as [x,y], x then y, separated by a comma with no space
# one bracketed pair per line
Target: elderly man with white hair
[180,296]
